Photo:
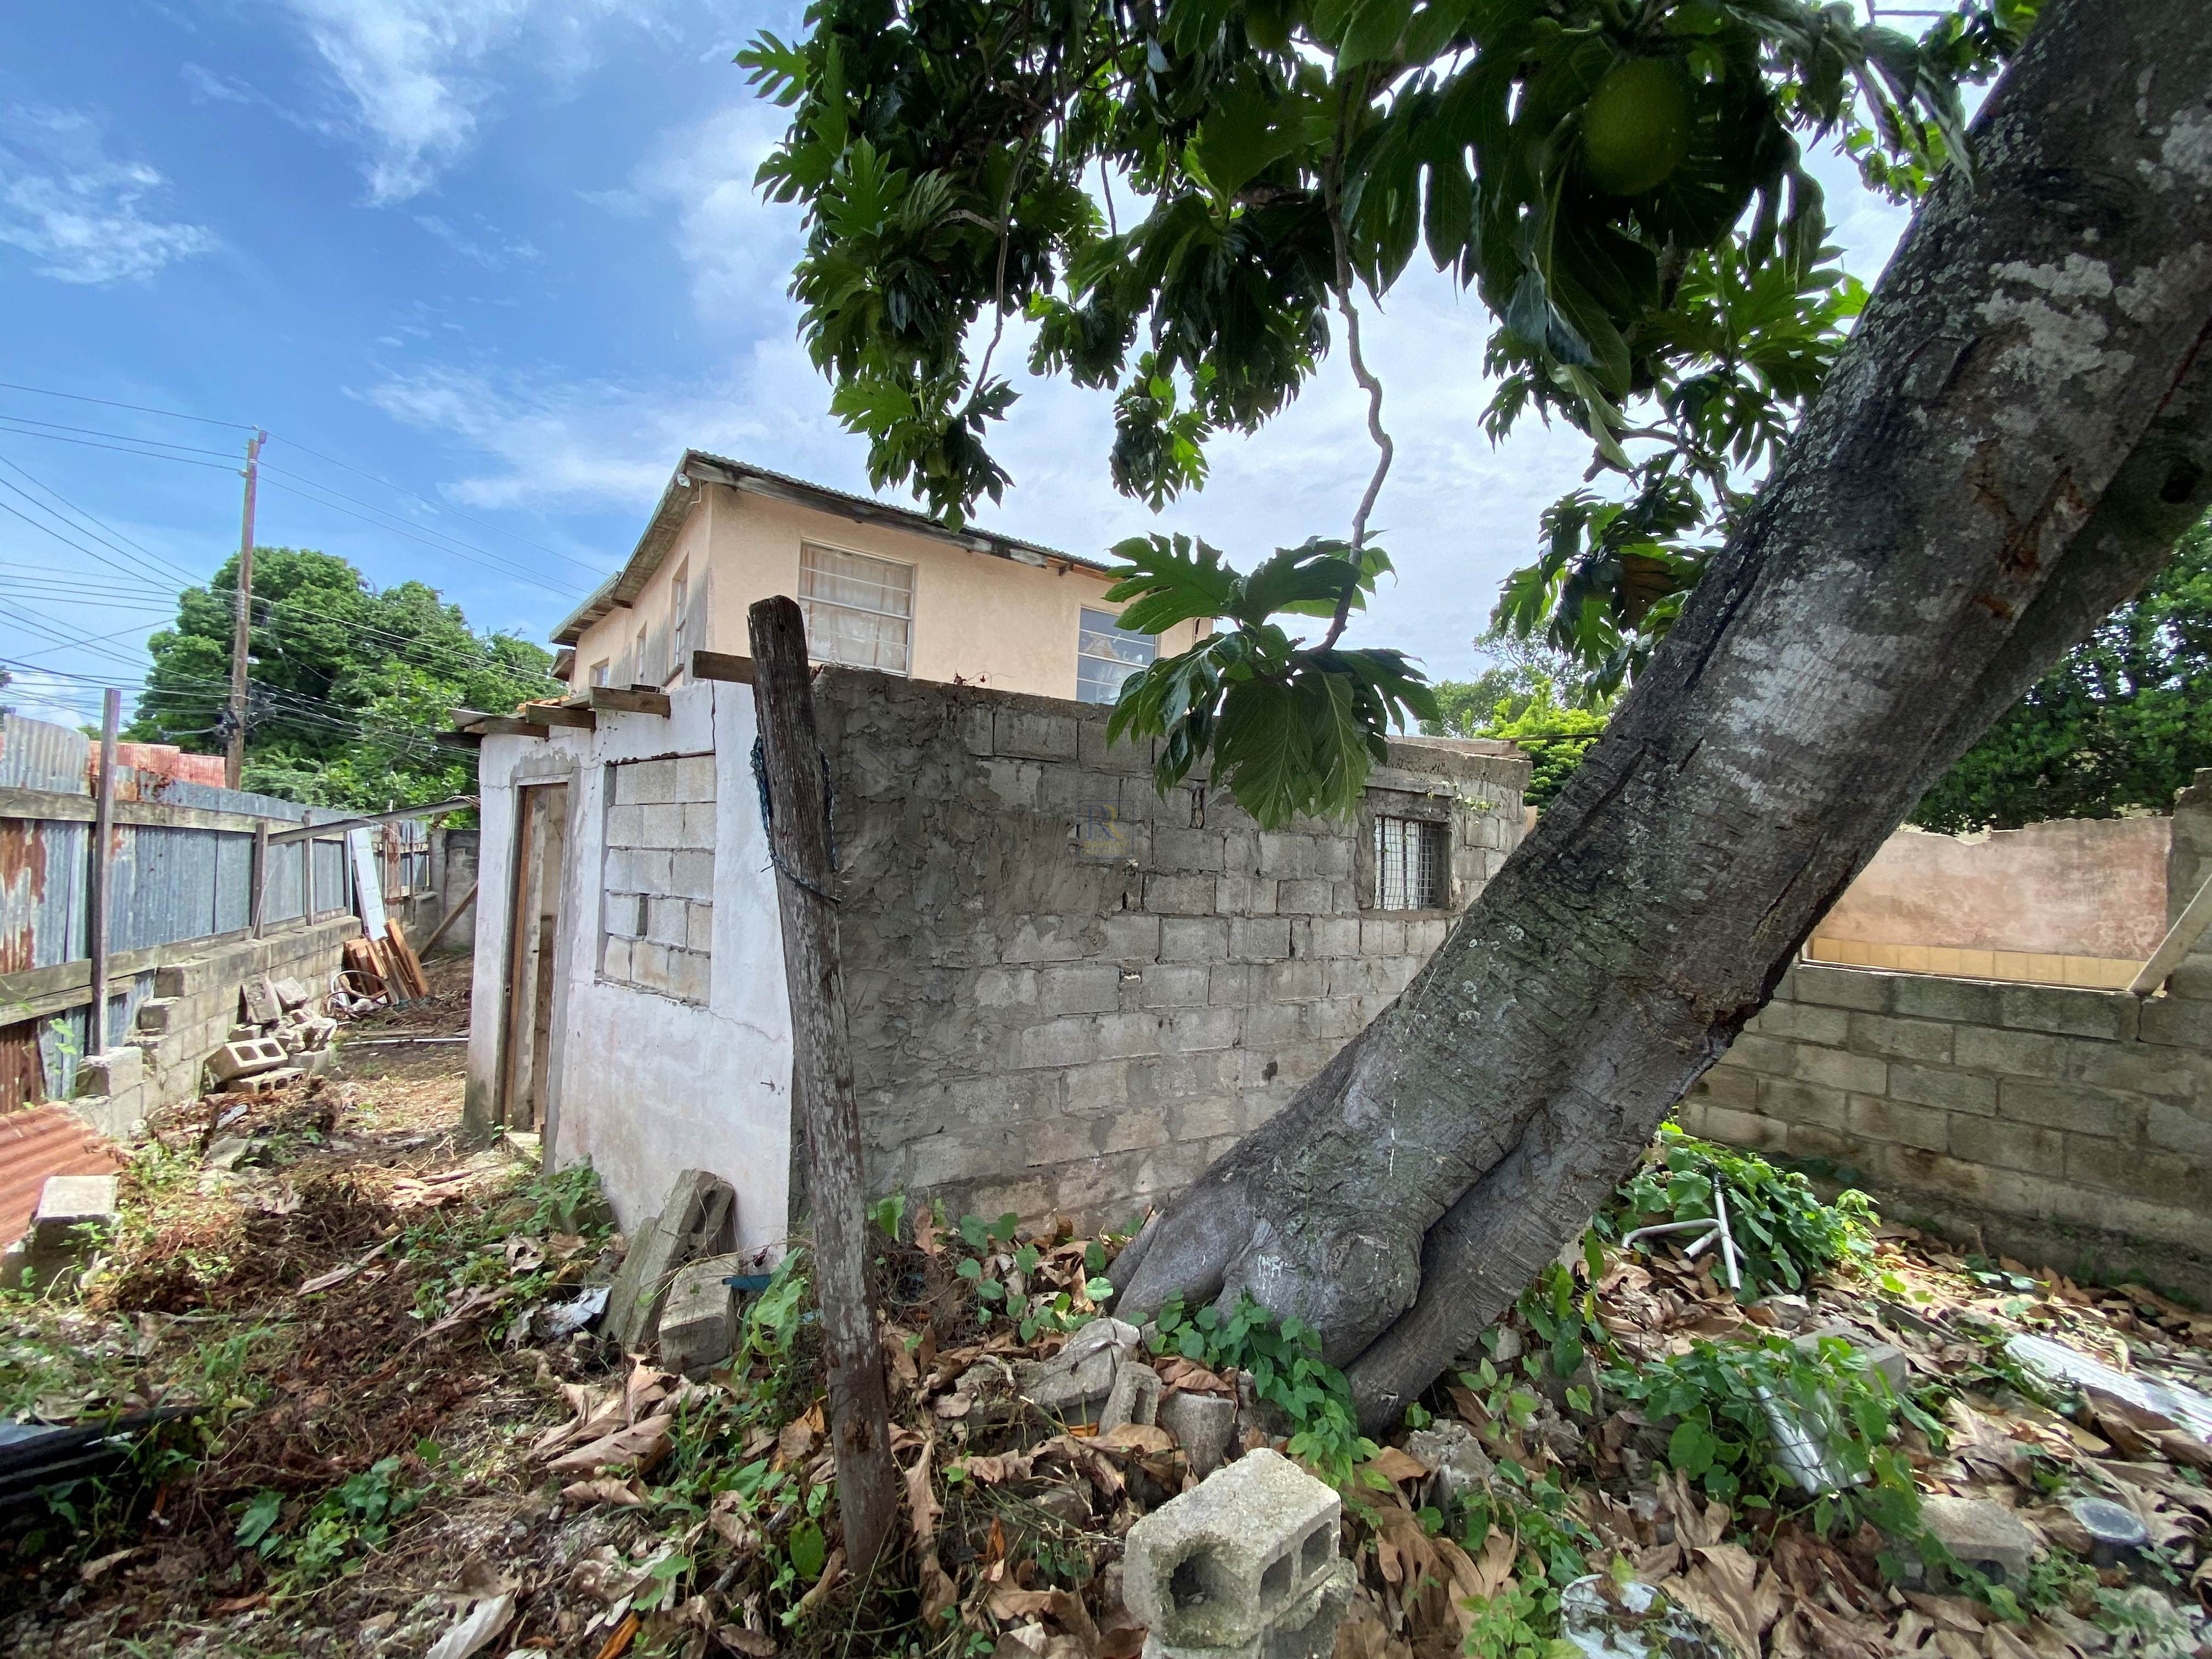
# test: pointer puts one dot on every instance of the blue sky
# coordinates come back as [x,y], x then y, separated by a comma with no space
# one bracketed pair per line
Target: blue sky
[505,257]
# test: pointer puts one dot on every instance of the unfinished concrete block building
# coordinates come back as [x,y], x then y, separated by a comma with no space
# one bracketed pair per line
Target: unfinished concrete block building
[1065,991]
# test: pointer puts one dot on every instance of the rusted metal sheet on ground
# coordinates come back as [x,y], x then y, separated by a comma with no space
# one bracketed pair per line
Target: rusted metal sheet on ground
[37,1142]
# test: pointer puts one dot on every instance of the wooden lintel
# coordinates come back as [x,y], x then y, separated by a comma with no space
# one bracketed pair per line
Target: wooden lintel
[467,719]
[722,666]
[554,713]
[471,740]
[613,699]
[502,726]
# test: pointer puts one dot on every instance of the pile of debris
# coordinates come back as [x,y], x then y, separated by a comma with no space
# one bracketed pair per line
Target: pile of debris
[282,1033]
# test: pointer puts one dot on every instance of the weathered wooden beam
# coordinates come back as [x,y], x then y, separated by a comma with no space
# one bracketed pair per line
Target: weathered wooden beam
[506,726]
[469,740]
[336,828]
[467,719]
[797,802]
[554,714]
[722,666]
[56,807]
[2180,940]
[614,699]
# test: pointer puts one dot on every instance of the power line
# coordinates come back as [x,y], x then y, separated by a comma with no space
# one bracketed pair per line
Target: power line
[96,432]
[109,403]
[474,555]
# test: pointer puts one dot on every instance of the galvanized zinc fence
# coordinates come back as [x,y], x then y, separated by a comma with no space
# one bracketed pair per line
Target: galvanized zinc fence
[182,864]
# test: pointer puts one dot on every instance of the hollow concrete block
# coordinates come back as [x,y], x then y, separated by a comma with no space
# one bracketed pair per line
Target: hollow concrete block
[1245,1563]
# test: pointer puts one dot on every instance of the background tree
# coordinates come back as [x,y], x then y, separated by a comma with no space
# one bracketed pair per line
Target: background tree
[346,687]
[2122,723]
[1519,698]
[2005,448]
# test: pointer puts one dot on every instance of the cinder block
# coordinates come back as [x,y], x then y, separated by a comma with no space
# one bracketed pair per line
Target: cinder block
[1188,850]
[2180,1022]
[1924,996]
[156,1014]
[625,826]
[690,975]
[1243,896]
[2009,1145]
[1422,938]
[1795,1102]
[976,729]
[1306,897]
[1801,1022]
[1166,985]
[1332,856]
[2158,1177]
[1819,1140]
[1727,1085]
[1382,936]
[1909,1125]
[68,1202]
[2022,1053]
[648,966]
[1838,1069]
[2105,1112]
[1925,1040]
[697,1331]
[699,928]
[1130,754]
[1745,1129]
[2150,1069]
[1296,981]
[1058,1042]
[2107,1014]
[183,979]
[238,1059]
[1843,988]
[1328,936]
[2180,1129]
[666,921]
[1259,939]
[1284,854]
[661,825]
[614,957]
[116,1071]
[1033,736]
[1126,1036]
[697,825]
[1336,1019]
[1193,1030]
[1192,939]
[1953,1092]
[1079,988]
[1045,939]
[1130,936]
[1766,1055]
[1179,895]
[695,778]
[691,875]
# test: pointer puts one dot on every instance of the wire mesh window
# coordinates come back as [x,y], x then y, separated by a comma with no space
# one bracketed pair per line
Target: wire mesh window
[1413,862]
[860,610]
[1107,653]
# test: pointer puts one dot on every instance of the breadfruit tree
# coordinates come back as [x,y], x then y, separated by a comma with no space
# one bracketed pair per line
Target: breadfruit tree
[1192,201]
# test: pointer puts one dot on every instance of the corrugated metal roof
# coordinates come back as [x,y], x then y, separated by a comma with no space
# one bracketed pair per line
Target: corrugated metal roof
[37,1142]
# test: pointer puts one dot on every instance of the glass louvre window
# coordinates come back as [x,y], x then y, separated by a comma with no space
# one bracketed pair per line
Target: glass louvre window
[1107,653]
[1412,858]
[860,610]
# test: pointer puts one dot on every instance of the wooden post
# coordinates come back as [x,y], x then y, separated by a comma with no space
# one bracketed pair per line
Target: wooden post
[95,910]
[259,878]
[798,842]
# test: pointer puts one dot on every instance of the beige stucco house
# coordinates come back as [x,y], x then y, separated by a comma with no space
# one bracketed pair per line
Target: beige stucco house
[882,588]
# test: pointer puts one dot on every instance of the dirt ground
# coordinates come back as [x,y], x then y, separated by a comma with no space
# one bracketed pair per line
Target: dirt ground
[390,1446]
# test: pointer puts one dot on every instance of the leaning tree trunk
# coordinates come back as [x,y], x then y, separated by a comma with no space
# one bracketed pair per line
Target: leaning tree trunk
[2008,447]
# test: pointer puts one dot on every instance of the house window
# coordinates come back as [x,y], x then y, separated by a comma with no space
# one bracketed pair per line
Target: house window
[677,592]
[599,672]
[637,663]
[859,610]
[1412,864]
[1107,653]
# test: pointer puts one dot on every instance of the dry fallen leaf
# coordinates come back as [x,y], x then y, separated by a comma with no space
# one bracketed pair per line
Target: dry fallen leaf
[1394,1465]
[641,1447]
[921,1505]
[628,1494]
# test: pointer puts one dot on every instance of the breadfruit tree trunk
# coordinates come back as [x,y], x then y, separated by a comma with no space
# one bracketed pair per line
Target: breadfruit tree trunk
[2017,434]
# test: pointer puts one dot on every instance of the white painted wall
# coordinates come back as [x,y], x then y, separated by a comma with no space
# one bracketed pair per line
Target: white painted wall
[646,1086]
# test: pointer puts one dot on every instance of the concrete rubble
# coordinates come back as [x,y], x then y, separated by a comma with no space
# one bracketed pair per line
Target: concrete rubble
[76,1214]
[697,1329]
[1456,1462]
[1982,1533]
[1245,1563]
[695,1221]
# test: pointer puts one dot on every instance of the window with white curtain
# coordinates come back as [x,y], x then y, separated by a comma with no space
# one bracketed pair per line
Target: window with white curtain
[858,610]
[1107,653]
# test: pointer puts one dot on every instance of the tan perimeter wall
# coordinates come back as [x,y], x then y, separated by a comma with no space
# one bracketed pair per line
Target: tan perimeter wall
[2066,1128]
[2085,887]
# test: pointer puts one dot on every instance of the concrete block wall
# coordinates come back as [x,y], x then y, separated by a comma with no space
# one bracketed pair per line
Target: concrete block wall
[2068,1128]
[657,909]
[194,1005]
[1068,994]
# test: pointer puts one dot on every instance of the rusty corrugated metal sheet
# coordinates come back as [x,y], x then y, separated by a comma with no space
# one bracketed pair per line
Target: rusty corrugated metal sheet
[37,1142]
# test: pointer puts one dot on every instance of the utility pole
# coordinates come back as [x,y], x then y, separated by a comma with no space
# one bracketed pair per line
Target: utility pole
[242,631]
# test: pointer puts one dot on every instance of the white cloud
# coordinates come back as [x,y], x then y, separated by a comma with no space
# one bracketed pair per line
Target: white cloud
[739,248]
[419,76]
[82,214]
